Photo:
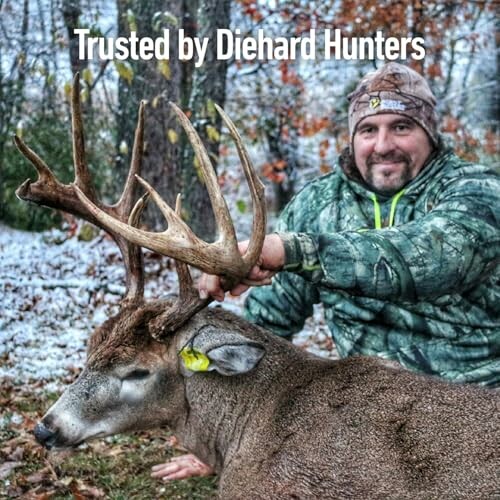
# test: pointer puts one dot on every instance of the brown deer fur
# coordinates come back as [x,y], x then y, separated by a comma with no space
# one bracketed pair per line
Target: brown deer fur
[295,426]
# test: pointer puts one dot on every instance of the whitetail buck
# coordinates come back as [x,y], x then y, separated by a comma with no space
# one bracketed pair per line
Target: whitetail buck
[274,421]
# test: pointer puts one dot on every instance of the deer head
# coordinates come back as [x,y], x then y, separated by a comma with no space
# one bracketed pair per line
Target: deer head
[141,355]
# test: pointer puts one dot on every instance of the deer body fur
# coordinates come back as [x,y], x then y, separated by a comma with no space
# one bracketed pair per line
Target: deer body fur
[291,425]
[299,426]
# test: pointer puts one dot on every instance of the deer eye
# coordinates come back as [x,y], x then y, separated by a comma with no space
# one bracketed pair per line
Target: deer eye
[137,374]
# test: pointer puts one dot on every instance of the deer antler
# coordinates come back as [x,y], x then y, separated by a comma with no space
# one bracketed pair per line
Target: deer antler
[47,190]
[187,304]
[178,240]
[221,257]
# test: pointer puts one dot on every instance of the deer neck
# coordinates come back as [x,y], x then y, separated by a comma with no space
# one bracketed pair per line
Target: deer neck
[220,409]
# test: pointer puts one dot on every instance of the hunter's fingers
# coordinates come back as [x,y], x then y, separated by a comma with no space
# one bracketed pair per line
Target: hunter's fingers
[163,470]
[181,467]
[210,285]
[239,289]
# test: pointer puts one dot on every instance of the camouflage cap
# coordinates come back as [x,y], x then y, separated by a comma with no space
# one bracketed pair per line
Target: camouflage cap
[394,88]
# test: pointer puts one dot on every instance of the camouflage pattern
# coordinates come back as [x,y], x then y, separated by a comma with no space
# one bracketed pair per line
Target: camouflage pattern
[424,292]
[394,88]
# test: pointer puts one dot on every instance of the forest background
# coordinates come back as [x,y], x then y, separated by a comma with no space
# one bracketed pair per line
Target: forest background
[58,285]
[292,114]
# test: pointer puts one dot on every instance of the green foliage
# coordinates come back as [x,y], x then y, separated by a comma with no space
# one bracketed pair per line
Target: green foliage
[50,139]
[241,206]
[49,135]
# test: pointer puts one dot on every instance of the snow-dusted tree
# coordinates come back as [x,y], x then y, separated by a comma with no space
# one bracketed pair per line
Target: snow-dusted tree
[158,82]
[13,59]
[208,86]
[38,53]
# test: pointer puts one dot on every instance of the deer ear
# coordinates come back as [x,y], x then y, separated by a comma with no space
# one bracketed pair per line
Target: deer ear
[235,359]
[225,352]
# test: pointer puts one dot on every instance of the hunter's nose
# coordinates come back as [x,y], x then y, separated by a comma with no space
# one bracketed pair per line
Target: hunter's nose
[384,142]
[44,436]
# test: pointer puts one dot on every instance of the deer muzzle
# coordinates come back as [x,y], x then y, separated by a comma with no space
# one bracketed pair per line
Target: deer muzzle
[45,436]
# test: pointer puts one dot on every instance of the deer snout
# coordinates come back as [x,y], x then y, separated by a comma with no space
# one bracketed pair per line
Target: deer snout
[44,435]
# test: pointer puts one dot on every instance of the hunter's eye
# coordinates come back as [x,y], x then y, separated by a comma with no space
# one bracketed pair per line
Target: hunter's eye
[136,374]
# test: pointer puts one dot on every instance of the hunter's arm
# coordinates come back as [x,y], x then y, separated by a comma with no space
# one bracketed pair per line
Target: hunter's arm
[453,247]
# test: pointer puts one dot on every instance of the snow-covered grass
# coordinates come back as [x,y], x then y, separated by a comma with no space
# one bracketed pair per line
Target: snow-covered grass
[55,290]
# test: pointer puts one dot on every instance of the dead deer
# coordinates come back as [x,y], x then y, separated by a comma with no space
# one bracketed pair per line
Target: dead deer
[273,421]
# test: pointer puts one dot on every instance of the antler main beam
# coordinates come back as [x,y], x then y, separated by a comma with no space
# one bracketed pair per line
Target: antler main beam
[48,191]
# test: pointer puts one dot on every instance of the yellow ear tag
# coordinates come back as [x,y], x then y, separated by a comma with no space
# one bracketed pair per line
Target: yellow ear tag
[194,360]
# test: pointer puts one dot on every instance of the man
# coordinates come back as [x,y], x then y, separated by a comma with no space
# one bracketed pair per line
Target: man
[401,245]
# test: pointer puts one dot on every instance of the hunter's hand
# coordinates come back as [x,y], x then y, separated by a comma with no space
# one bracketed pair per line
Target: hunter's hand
[271,260]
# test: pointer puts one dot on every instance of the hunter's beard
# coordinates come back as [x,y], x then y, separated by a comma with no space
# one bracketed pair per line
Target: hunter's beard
[385,178]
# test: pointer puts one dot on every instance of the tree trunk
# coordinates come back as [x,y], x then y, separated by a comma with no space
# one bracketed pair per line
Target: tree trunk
[12,93]
[158,83]
[71,12]
[209,86]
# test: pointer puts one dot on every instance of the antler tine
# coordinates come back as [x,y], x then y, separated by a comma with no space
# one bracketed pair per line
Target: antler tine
[221,212]
[168,213]
[185,279]
[124,204]
[44,173]
[136,212]
[82,175]
[256,192]
[187,304]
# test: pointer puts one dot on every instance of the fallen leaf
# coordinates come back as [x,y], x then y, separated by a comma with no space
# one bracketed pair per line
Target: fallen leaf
[94,492]
[33,495]
[115,451]
[77,494]
[39,476]
[82,491]
[7,467]
[16,455]
[67,481]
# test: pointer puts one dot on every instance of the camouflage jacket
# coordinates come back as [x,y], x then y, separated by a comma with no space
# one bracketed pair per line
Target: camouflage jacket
[414,278]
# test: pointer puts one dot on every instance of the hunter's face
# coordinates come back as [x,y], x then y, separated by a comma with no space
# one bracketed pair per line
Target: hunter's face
[390,150]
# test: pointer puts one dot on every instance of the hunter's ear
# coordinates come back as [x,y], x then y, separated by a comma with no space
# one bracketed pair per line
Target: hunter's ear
[225,352]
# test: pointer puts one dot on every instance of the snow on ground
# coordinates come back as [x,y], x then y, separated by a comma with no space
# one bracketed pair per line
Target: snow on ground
[55,290]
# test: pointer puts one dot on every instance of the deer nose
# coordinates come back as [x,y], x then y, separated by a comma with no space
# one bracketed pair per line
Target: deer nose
[45,436]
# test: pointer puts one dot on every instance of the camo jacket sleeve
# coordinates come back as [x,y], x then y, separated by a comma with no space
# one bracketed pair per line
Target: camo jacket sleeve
[455,245]
[283,306]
